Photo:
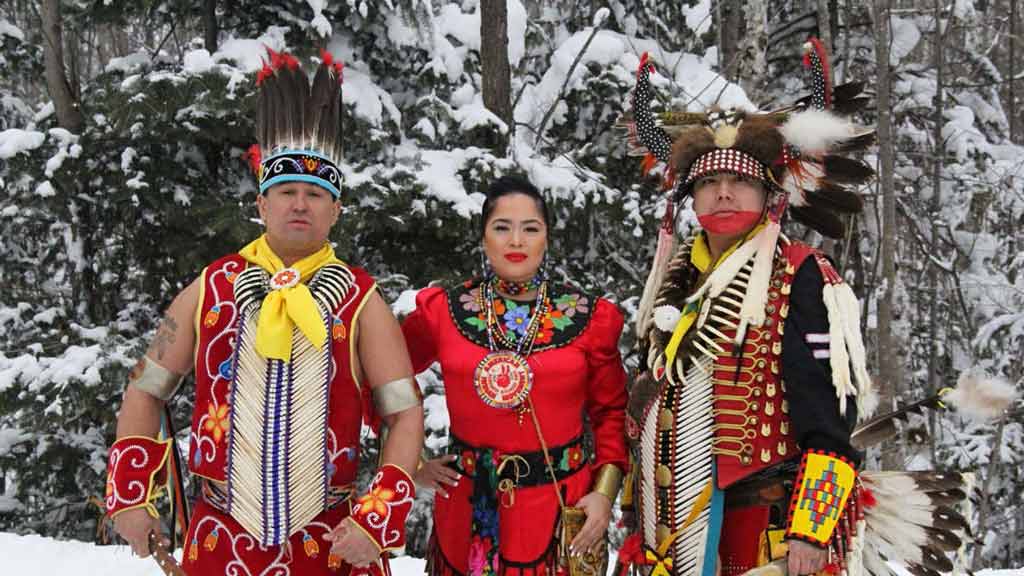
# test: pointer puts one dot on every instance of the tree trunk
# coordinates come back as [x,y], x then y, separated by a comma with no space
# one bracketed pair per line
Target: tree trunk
[824,25]
[210,29]
[1012,100]
[938,161]
[828,245]
[497,75]
[887,356]
[985,507]
[65,102]
[751,65]
[729,21]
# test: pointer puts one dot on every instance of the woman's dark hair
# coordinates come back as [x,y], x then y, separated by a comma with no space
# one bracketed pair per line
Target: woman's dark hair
[511,184]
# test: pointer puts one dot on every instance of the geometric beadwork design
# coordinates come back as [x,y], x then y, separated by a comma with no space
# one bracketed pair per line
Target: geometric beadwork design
[822,496]
[824,485]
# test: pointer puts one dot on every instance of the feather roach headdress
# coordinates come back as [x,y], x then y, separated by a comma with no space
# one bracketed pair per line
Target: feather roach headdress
[298,126]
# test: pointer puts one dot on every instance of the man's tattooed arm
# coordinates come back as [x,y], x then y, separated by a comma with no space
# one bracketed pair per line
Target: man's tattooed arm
[165,336]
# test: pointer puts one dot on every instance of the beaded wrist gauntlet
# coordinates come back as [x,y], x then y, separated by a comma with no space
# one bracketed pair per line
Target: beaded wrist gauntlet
[822,488]
[135,468]
[381,512]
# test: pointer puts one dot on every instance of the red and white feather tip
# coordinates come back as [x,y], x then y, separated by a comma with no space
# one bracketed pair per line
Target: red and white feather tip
[980,397]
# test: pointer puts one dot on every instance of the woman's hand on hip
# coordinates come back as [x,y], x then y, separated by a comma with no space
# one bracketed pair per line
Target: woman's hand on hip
[437,474]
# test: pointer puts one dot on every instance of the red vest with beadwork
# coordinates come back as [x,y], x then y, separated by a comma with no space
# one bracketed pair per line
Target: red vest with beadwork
[217,326]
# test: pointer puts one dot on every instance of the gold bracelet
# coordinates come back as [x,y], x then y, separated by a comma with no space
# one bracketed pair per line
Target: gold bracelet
[608,481]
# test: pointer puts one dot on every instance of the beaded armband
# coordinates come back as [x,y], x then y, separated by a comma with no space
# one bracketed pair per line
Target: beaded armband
[823,486]
[381,512]
[135,468]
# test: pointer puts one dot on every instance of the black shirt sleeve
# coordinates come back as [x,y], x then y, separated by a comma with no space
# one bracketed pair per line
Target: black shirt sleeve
[807,374]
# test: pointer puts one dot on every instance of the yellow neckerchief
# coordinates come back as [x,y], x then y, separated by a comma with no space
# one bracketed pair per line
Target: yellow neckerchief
[700,257]
[287,307]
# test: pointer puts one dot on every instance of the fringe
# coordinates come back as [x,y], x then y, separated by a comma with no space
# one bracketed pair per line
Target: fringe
[867,398]
[838,357]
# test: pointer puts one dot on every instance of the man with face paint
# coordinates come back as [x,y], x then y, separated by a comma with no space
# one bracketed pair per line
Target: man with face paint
[728,207]
[754,374]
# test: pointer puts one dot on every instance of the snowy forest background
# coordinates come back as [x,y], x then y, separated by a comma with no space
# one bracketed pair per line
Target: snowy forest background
[123,124]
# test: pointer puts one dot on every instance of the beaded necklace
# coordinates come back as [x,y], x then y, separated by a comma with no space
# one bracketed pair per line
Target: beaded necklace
[503,378]
[495,331]
[513,288]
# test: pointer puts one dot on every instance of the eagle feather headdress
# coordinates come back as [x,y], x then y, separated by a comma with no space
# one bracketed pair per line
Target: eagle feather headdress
[298,125]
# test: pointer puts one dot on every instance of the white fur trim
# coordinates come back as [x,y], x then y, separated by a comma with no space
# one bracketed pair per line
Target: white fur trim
[754,301]
[724,274]
[815,131]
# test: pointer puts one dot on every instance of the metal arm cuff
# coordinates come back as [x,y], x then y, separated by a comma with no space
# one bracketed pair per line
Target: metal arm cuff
[396,396]
[154,379]
[608,481]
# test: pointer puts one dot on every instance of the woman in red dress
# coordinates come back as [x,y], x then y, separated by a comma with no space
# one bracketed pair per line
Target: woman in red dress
[523,361]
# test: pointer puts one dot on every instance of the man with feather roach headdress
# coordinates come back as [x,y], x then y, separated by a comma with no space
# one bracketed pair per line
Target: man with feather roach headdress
[292,350]
[754,370]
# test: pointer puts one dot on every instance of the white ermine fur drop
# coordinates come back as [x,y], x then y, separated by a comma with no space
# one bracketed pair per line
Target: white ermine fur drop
[816,131]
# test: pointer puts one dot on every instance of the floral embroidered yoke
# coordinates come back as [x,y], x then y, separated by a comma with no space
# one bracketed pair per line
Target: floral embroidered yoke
[568,312]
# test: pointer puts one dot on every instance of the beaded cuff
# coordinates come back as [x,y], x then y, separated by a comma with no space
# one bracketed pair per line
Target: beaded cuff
[136,467]
[824,484]
[381,512]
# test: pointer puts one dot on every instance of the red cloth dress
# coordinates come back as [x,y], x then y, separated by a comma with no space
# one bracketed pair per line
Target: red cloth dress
[577,372]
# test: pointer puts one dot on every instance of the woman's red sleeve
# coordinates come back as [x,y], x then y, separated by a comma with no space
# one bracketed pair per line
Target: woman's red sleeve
[606,389]
[421,327]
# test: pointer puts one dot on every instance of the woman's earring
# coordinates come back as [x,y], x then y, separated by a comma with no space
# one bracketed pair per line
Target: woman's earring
[485,268]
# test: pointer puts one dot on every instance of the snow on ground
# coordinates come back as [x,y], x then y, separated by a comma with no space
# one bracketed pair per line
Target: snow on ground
[35,555]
